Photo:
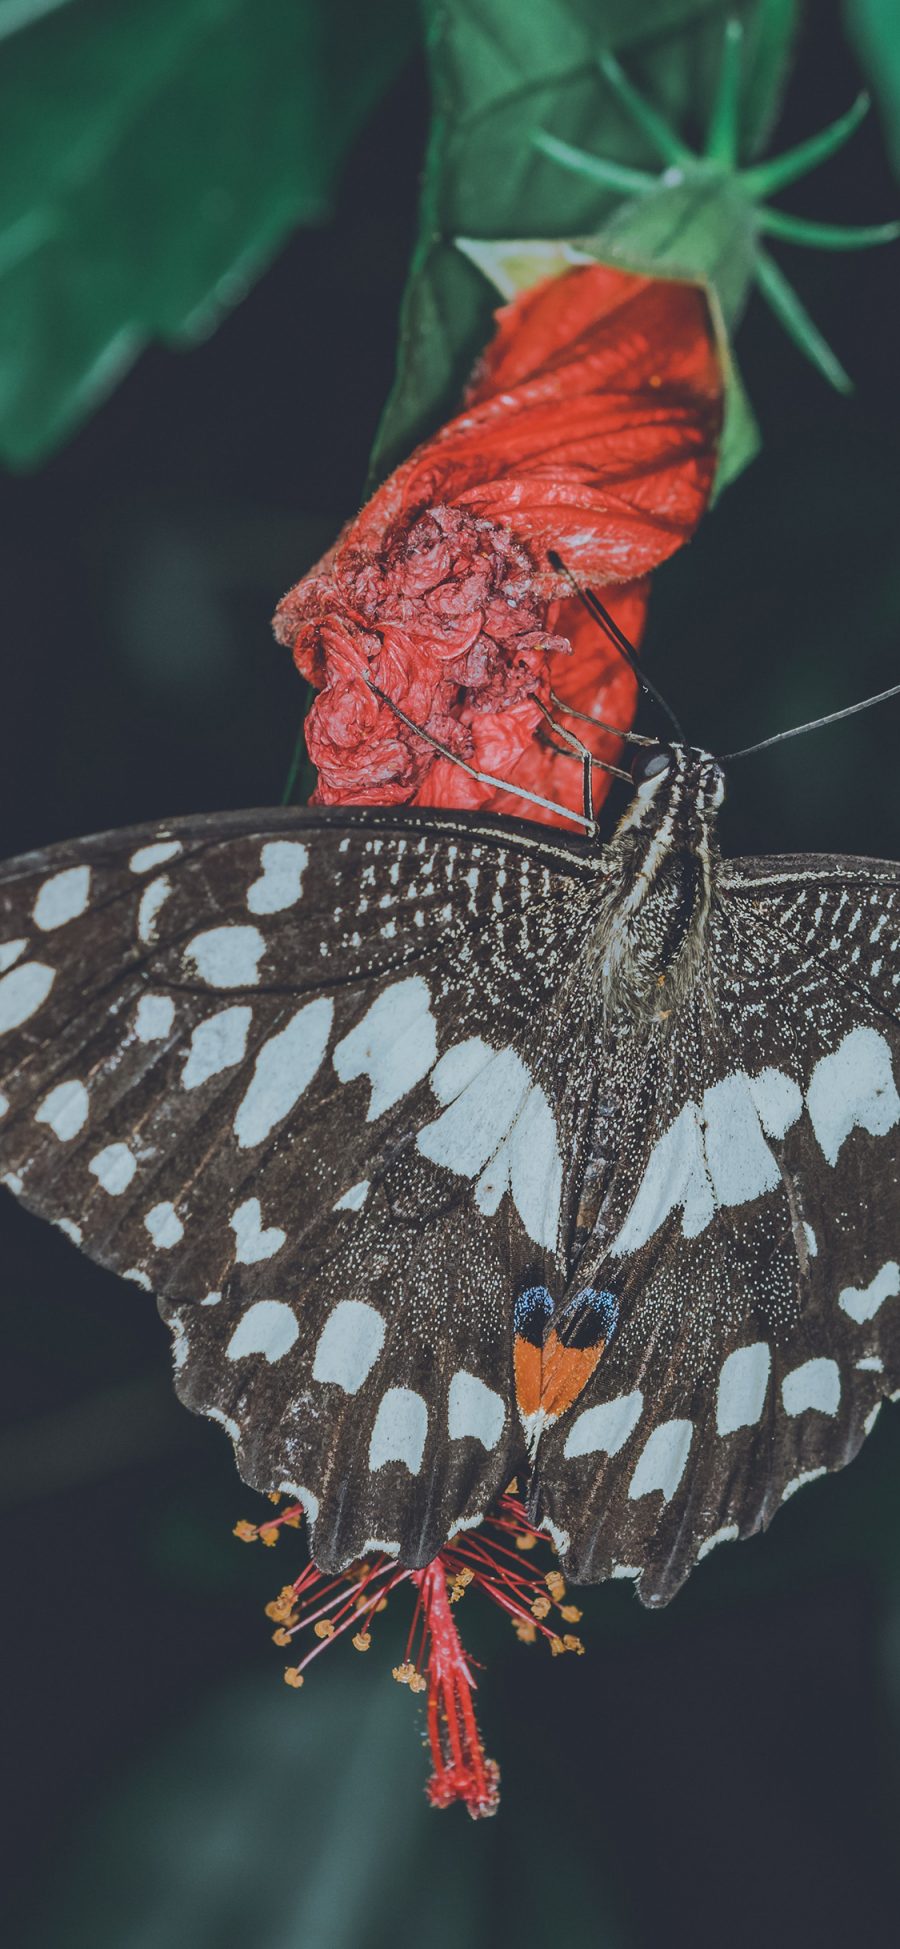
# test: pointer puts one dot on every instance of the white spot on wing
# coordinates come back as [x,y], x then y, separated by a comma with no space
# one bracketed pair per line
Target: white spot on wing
[355,1198]
[22,992]
[799,1481]
[863,1302]
[308,1502]
[227,957]
[459,1067]
[63,897]
[153,899]
[498,1127]
[853,1086]
[69,1229]
[225,1421]
[401,1426]
[65,1110]
[216,1044]
[164,1225]
[268,1327]
[728,1534]
[663,1460]
[742,1387]
[815,1384]
[349,1345]
[252,1242]
[280,884]
[474,1409]
[777,1100]
[604,1429]
[712,1154]
[394,1045]
[114,1167]
[156,854]
[154,1017]
[285,1067]
[9,952]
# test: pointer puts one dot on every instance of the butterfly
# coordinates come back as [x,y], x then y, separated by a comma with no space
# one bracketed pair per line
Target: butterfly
[457,1149]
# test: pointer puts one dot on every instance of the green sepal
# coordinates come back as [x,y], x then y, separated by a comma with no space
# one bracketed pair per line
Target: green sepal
[700,230]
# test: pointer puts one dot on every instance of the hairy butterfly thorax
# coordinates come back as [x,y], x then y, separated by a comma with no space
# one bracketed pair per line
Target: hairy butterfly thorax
[659,885]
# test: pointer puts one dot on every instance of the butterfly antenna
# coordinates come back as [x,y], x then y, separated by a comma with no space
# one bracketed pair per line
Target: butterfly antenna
[483,777]
[815,724]
[601,615]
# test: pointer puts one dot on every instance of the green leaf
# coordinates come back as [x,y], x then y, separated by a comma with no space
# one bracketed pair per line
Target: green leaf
[155,155]
[873,30]
[500,73]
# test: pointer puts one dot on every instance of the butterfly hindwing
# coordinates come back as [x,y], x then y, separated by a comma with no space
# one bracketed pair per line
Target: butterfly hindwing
[285,1070]
[749,1230]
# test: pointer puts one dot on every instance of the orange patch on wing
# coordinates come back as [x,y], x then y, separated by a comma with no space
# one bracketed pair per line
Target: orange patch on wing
[527,1371]
[565,1371]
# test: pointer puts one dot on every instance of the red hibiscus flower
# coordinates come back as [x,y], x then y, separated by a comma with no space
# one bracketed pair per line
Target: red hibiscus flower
[589,428]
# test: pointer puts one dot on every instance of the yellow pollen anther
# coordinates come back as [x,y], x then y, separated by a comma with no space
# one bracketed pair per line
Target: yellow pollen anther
[247,1532]
[293,1676]
[362,1640]
[573,1644]
[555,1583]
[404,1673]
[525,1632]
[273,1495]
[526,1542]
[540,1607]
[324,1628]
[268,1534]
[418,1682]
[382,1606]
[281,1636]
[459,1583]
[571,1613]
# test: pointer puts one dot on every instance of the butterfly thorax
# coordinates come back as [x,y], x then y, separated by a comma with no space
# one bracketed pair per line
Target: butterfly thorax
[659,881]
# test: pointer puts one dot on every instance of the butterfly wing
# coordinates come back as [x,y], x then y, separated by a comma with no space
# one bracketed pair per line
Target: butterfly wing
[282,1068]
[749,1228]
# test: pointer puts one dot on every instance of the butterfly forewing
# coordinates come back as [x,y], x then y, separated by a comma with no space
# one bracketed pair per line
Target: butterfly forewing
[749,1228]
[295,1074]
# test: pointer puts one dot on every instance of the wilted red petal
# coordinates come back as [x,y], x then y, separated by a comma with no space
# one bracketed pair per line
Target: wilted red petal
[590,428]
[593,679]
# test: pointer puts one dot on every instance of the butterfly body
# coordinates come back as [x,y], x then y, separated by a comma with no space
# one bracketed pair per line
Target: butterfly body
[659,876]
[339,1087]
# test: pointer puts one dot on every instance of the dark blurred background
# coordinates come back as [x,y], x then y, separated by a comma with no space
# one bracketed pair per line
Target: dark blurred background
[725,1772]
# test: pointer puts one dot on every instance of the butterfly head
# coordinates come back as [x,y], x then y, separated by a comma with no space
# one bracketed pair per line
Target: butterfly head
[659,765]
[669,773]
